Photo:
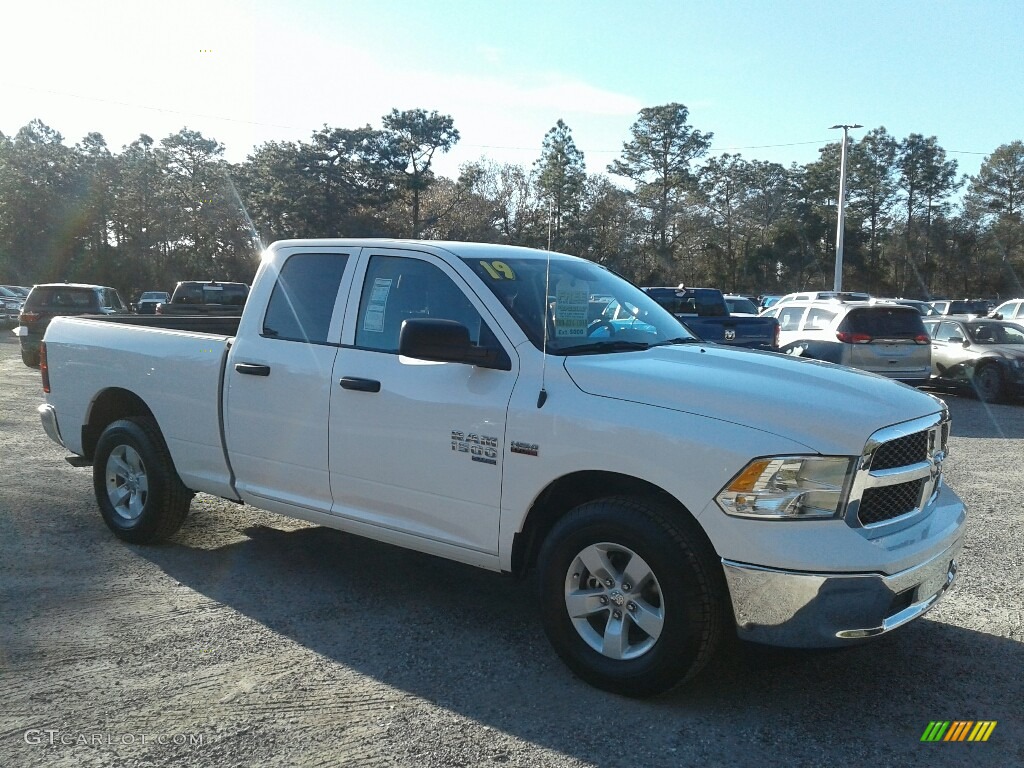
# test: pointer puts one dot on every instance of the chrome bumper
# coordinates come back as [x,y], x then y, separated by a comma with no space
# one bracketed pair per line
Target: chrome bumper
[817,610]
[48,415]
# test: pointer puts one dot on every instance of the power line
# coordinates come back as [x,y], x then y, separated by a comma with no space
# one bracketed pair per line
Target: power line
[157,109]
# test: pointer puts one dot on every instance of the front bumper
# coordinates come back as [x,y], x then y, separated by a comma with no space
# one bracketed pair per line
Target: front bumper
[818,610]
[48,415]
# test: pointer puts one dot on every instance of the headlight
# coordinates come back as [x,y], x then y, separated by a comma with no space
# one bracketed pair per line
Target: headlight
[789,488]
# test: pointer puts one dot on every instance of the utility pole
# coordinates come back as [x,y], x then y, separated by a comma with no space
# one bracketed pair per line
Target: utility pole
[837,282]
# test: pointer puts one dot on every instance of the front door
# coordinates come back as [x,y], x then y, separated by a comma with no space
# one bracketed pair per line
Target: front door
[416,446]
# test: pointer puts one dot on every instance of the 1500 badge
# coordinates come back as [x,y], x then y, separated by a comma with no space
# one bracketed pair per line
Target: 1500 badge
[480,447]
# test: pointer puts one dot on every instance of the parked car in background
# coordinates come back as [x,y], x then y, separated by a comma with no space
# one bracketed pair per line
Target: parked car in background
[10,305]
[984,355]
[148,301]
[50,300]
[824,295]
[21,290]
[206,297]
[923,307]
[740,306]
[1010,310]
[887,339]
[766,302]
[961,307]
[704,312]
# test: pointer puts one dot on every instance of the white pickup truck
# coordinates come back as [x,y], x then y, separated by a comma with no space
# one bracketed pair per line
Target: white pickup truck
[523,411]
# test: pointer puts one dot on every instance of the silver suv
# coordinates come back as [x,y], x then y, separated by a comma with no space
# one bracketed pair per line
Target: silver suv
[887,339]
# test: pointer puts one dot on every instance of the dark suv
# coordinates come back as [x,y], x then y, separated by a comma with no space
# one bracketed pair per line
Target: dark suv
[195,297]
[49,300]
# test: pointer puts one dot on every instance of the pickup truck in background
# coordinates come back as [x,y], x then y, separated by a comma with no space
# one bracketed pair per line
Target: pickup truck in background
[705,312]
[462,400]
[196,297]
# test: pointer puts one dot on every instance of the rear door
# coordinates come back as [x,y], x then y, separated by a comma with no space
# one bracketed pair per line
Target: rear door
[416,446]
[278,379]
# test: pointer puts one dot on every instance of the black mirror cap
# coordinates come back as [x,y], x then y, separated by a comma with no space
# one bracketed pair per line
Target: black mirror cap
[447,341]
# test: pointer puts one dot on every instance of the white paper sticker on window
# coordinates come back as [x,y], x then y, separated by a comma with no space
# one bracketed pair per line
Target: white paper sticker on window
[572,300]
[373,320]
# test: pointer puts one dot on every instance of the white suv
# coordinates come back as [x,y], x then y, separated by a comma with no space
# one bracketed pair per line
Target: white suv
[888,339]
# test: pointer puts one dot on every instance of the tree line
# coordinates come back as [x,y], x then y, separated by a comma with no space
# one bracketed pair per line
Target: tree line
[665,211]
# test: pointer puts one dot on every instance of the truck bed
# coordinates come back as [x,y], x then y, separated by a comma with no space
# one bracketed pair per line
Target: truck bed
[173,365]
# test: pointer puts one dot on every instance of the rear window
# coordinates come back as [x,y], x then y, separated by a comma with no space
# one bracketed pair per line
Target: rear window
[59,297]
[884,322]
[968,308]
[231,294]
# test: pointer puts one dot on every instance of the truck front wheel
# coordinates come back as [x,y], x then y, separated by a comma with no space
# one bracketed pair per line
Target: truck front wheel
[140,496]
[632,596]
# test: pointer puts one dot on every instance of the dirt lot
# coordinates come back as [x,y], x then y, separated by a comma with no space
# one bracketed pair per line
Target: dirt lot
[252,640]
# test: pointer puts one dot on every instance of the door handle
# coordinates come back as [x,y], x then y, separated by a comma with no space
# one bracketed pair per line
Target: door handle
[252,369]
[359,385]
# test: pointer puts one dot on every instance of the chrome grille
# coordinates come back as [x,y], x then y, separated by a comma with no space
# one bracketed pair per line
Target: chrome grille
[901,452]
[881,504]
[900,471]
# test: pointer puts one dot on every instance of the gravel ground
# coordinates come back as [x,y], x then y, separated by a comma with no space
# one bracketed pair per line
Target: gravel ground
[251,639]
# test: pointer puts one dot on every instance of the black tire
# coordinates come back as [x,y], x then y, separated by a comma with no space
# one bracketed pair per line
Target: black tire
[30,358]
[138,490]
[988,383]
[683,597]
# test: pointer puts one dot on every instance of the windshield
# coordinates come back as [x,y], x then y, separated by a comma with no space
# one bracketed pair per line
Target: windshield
[587,308]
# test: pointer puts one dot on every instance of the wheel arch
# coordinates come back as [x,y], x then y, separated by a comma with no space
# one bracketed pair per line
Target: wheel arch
[568,492]
[107,407]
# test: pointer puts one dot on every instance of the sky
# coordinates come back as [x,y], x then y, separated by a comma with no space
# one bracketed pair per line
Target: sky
[767,79]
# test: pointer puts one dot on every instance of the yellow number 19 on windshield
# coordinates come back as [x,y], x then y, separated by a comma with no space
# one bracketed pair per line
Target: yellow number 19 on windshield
[498,270]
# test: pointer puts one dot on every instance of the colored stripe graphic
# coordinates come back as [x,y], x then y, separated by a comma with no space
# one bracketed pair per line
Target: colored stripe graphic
[959,730]
[935,731]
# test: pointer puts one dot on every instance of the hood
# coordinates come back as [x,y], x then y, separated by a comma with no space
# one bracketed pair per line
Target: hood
[1008,351]
[828,408]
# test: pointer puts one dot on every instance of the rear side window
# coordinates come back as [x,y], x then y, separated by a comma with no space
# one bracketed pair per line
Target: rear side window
[302,303]
[884,322]
[112,299]
[818,319]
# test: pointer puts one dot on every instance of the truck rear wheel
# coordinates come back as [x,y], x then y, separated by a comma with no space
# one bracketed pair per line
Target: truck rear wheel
[633,598]
[140,496]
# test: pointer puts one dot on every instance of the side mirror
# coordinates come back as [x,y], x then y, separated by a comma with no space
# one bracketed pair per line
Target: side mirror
[957,340]
[447,341]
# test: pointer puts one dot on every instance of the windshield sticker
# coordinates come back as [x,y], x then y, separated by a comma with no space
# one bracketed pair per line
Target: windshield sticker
[572,301]
[373,322]
[498,270]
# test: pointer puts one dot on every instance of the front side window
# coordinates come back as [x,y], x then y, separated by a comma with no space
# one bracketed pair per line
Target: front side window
[947,331]
[399,288]
[789,318]
[302,304]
